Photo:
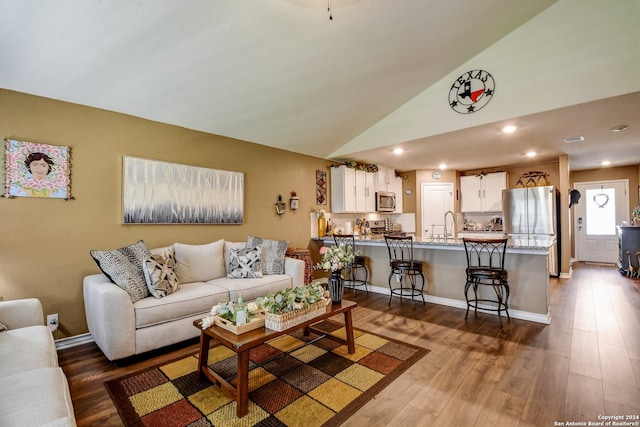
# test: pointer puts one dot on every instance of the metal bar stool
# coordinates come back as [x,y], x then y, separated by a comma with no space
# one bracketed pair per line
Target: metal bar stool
[485,266]
[405,267]
[358,263]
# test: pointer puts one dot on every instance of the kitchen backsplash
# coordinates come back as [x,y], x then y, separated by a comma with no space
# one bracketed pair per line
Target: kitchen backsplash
[406,220]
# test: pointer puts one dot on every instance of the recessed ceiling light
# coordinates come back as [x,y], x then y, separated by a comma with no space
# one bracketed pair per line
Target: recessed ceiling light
[509,129]
[619,128]
[606,163]
[442,166]
[398,151]
[573,139]
[531,154]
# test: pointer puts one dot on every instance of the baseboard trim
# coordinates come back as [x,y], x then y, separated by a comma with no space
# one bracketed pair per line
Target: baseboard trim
[516,314]
[73,341]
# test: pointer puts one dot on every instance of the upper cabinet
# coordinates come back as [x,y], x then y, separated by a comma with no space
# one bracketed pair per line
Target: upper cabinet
[352,190]
[397,188]
[482,193]
[385,179]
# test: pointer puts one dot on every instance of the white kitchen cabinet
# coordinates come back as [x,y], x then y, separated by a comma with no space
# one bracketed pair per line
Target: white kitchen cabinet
[343,189]
[352,190]
[370,192]
[482,193]
[397,188]
[384,179]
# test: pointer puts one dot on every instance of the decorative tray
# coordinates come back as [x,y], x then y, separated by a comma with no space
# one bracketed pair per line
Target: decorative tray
[255,323]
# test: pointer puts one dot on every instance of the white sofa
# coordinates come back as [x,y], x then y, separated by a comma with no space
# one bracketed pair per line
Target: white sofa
[123,328]
[34,390]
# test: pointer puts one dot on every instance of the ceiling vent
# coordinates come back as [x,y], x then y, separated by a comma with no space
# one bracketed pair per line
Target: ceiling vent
[573,139]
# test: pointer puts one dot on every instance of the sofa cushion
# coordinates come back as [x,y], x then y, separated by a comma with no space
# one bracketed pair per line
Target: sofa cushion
[193,298]
[25,349]
[245,263]
[251,289]
[160,275]
[273,252]
[199,263]
[228,246]
[36,398]
[123,267]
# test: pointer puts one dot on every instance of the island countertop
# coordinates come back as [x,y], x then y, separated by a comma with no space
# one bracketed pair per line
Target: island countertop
[444,264]
[533,244]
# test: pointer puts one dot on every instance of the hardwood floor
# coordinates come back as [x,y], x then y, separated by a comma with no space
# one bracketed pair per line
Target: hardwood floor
[583,365]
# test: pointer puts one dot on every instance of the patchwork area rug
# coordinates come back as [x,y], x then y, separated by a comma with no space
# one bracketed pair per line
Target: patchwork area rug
[290,384]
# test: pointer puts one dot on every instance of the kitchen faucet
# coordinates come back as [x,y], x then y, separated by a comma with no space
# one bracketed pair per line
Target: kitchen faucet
[453,217]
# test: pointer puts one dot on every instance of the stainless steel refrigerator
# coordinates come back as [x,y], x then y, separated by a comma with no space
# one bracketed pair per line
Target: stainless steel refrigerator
[531,217]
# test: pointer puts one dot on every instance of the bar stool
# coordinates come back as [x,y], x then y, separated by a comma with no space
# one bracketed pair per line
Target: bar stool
[357,265]
[404,266]
[485,266]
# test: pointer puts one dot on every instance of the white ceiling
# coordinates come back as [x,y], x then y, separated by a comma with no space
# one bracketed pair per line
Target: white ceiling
[282,74]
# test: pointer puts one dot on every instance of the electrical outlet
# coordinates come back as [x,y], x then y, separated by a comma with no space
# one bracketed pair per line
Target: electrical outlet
[52,320]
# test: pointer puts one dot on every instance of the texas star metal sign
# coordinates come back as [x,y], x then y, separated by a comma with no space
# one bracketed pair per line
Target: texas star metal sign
[471,91]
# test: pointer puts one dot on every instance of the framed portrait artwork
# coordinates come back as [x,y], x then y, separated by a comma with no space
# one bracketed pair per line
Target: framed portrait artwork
[37,170]
[157,192]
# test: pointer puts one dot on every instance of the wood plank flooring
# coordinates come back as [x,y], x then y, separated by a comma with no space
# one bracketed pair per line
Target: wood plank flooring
[584,364]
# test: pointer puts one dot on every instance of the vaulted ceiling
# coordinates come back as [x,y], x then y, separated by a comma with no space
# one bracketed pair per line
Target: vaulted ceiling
[374,77]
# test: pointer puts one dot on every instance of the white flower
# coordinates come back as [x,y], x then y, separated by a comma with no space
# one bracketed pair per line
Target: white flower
[252,307]
[207,322]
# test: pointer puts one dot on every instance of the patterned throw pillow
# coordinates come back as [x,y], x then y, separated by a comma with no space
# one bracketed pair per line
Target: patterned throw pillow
[123,267]
[3,327]
[272,253]
[160,274]
[245,263]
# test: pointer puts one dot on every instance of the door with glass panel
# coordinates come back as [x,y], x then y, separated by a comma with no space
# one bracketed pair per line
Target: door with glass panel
[602,206]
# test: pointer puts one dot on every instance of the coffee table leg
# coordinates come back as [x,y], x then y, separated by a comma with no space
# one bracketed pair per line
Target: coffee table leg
[351,345]
[242,384]
[204,353]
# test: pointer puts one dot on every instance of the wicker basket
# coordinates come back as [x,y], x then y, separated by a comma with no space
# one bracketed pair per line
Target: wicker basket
[280,322]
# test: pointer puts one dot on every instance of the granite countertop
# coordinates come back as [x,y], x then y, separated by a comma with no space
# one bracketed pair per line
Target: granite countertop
[426,242]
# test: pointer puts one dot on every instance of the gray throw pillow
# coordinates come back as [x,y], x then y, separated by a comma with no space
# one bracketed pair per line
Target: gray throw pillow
[123,267]
[273,252]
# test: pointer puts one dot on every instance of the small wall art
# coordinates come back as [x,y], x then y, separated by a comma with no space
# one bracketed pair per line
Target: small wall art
[321,187]
[37,170]
[158,192]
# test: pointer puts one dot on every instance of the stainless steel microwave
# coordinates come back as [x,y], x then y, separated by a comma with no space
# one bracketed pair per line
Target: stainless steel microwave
[385,201]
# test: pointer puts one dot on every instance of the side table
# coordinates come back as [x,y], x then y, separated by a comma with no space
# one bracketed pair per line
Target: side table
[304,255]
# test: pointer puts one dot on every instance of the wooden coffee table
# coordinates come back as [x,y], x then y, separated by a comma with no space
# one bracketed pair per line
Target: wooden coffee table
[242,343]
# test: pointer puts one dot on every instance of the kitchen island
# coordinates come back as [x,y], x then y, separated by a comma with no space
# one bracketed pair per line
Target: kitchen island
[444,264]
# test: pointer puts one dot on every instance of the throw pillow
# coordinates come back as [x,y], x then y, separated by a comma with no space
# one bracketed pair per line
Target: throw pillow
[245,263]
[273,252]
[228,245]
[123,267]
[3,327]
[199,263]
[160,275]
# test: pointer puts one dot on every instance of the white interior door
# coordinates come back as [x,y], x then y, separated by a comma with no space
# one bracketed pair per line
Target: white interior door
[602,206]
[436,200]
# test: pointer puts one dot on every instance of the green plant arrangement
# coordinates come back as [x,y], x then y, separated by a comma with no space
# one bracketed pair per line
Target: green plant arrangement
[335,258]
[228,310]
[292,299]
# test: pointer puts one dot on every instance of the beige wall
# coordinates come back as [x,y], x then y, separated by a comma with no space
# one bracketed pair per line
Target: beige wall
[44,249]
[632,173]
